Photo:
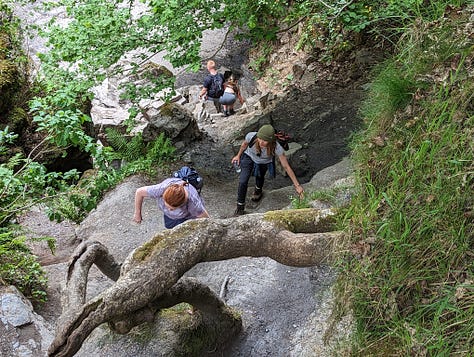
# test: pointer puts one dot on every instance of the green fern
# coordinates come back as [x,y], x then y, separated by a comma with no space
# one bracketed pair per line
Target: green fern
[116,139]
[127,149]
[136,149]
[160,149]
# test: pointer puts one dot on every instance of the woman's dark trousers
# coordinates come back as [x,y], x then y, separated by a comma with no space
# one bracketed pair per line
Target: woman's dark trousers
[247,166]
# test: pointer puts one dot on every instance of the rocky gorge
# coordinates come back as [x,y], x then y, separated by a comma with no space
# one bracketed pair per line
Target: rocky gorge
[285,311]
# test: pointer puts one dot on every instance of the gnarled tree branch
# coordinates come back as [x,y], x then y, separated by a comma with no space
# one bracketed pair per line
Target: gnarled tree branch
[148,278]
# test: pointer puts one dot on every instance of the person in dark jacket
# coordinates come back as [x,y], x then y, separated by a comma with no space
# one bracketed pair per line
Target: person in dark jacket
[208,90]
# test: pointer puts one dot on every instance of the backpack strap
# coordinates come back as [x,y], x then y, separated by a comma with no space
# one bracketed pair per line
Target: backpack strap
[252,141]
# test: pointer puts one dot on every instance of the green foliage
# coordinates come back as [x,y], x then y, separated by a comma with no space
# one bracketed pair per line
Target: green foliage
[101,32]
[140,157]
[327,196]
[24,183]
[410,262]
[259,62]
[6,138]
[134,148]
[19,267]
[129,148]
[160,150]
[331,25]
[83,197]
[258,19]
[391,90]
[63,127]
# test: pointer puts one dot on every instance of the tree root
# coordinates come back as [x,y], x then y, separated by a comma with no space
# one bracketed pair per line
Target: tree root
[149,279]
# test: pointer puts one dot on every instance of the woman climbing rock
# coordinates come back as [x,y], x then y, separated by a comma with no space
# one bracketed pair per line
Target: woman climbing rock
[257,152]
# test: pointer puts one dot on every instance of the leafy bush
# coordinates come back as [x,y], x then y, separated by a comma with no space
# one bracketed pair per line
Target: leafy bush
[331,26]
[19,267]
[6,137]
[30,184]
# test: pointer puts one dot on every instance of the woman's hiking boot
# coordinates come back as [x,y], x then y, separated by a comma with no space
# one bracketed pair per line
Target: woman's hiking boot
[257,195]
[240,210]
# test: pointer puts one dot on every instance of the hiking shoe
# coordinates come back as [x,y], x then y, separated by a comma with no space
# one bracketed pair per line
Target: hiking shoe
[232,112]
[257,195]
[226,113]
[239,211]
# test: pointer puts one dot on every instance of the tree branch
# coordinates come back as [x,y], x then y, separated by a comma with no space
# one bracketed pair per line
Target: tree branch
[149,274]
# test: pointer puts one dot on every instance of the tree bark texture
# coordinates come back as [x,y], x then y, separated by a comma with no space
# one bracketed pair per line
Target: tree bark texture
[149,279]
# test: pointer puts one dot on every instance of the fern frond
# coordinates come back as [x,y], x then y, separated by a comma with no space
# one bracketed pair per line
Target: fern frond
[160,149]
[128,149]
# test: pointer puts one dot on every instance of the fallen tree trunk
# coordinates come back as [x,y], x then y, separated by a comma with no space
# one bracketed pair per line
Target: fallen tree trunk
[148,279]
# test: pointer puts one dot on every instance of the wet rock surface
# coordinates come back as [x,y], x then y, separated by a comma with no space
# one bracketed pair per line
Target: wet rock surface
[320,120]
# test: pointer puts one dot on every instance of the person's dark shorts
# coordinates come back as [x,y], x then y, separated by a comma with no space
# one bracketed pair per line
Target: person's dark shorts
[170,223]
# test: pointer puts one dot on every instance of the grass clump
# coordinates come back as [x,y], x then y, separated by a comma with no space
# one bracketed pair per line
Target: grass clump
[409,268]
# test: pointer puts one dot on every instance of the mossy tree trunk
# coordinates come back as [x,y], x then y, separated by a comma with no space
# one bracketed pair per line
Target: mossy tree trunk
[149,279]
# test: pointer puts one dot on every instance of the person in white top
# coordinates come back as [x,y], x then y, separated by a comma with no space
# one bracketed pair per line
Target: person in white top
[230,96]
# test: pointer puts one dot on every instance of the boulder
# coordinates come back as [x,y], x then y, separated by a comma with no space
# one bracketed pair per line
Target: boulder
[155,115]
[24,333]
[172,119]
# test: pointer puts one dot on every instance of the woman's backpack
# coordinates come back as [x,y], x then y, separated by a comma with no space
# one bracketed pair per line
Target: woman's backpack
[191,176]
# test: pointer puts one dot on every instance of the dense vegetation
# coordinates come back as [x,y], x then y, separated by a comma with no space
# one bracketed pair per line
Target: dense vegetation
[408,270]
